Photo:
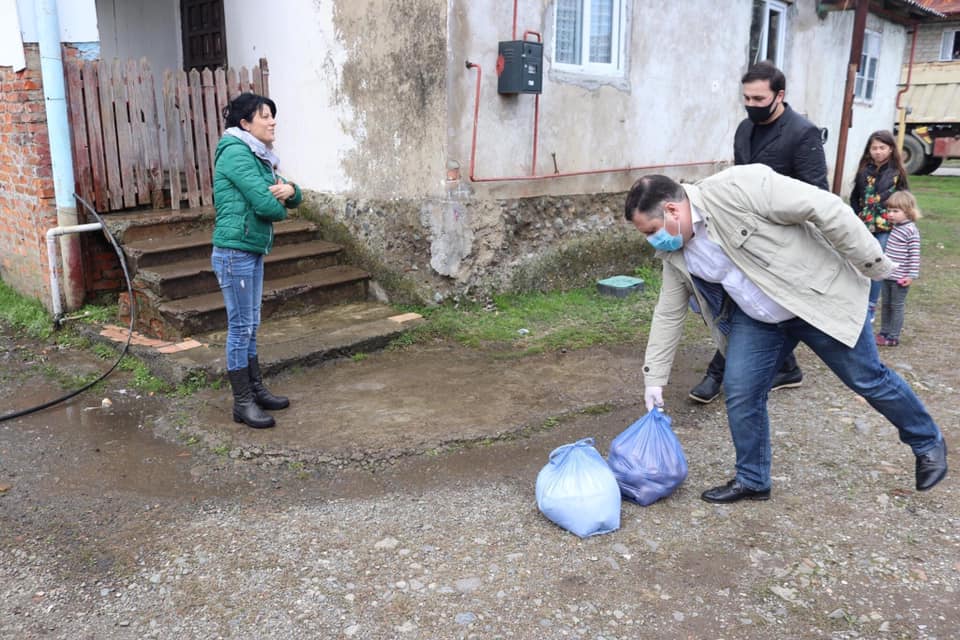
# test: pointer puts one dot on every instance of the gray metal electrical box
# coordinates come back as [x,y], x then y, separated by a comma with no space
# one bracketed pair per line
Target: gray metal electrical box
[520,67]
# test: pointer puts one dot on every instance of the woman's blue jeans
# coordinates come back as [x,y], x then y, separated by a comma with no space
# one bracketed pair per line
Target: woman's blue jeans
[754,353]
[240,274]
[875,285]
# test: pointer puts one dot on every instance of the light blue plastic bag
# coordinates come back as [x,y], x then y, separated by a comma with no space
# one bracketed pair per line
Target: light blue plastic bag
[577,490]
[647,459]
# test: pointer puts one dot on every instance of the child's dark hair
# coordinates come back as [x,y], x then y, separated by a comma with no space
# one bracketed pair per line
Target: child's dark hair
[904,201]
[895,161]
[245,106]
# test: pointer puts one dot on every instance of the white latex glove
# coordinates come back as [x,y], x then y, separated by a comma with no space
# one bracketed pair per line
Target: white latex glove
[653,397]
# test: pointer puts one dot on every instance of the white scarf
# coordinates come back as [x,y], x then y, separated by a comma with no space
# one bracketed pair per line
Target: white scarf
[258,148]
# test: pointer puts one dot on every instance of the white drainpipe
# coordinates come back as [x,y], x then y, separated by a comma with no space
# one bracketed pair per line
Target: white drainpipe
[61,157]
[52,235]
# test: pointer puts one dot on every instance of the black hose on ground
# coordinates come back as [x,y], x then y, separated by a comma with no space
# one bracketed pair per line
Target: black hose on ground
[57,322]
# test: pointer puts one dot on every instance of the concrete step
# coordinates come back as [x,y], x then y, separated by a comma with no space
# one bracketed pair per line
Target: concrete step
[284,296]
[302,340]
[194,277]
[197,244]
[158,223]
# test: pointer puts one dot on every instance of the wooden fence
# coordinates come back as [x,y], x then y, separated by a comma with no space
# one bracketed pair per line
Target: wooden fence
[131,149]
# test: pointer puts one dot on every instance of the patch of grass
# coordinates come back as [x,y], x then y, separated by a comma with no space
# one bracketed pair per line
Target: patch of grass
[94,314]
[597,410]
[71,340]
[551,422]
[103,352]
[195,381]
[65,380]
[23,313]
[221,450]
[939,199]
[142,378]
[537,322]
[359,357]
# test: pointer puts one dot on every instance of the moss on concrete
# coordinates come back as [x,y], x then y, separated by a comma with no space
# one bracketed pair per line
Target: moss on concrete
[583,261]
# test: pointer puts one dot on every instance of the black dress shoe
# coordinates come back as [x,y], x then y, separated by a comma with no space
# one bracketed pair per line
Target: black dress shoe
[932,466]
[707,391]
[787,379]
[732,492]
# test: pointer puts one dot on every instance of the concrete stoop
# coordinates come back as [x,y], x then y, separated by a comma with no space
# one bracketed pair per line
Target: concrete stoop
[295,341]
[314,307]
[177,295]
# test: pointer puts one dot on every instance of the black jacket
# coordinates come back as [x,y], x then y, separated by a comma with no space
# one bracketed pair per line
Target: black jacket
[795,148]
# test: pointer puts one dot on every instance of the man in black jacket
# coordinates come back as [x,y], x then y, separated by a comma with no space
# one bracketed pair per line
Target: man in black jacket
[777,136]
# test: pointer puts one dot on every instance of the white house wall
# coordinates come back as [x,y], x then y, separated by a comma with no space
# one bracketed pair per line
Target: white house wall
[359,90]
[141,29]
[78,20]
[679,101]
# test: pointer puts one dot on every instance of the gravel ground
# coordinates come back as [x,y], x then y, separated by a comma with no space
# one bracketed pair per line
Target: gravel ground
[108,532]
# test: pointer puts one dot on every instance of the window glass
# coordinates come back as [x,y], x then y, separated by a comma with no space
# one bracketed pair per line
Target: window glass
[863,88]
[950,45]
[601,30]
[768,27]
[589,36]
[569,27]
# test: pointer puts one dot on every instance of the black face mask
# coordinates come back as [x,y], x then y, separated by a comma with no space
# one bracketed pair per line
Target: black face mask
[761,114]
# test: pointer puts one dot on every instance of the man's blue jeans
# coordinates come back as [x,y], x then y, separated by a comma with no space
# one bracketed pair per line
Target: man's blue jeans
[240,274]
[754,353]
[882,237]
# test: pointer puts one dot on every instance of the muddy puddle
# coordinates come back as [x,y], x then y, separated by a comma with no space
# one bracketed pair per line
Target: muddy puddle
[96,443]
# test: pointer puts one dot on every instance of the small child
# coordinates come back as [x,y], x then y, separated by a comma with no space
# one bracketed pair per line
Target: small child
[903,247]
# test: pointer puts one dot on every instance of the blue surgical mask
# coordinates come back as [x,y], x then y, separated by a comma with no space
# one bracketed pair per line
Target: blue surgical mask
[663,240]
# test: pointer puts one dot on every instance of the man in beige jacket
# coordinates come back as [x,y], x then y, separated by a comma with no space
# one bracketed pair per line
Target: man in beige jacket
[772,261]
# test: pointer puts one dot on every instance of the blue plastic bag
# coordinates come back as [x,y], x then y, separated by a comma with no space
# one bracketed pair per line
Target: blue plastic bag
[647,459]
[577,490]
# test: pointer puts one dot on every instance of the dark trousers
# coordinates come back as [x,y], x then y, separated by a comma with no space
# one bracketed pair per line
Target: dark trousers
[716,366]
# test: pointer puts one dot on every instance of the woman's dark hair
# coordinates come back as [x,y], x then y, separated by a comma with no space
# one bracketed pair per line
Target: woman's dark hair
[649,192]
[895,161]
[766,70]
[244,107]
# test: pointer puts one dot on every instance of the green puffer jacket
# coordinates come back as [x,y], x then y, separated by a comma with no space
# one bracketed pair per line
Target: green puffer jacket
[246,210]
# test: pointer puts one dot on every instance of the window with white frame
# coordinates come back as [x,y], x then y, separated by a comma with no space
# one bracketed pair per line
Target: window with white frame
[867,71]
[950,45]
[589,36]
[768,30]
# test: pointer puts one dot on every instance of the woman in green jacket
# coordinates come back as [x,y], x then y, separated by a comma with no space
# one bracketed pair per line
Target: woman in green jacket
[249,197]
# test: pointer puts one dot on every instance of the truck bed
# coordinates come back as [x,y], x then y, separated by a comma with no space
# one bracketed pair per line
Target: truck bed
[934,94]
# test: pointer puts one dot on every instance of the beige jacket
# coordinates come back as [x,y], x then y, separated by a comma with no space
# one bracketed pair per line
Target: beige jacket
[802,246]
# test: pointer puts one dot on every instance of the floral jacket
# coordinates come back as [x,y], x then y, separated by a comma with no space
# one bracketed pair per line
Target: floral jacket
[870,192]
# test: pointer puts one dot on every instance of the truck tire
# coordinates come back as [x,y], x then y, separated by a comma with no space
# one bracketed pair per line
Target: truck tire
[932,164]
[914,156]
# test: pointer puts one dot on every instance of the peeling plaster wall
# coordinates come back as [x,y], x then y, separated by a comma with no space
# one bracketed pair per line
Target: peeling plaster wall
[393,77]
[678,102]
[359,86]
[376,104]
[315,123]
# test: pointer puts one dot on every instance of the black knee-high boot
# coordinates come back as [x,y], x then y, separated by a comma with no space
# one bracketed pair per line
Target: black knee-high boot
[245,408]
[261,394]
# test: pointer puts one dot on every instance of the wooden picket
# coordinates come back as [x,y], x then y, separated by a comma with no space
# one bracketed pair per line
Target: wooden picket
[130,150]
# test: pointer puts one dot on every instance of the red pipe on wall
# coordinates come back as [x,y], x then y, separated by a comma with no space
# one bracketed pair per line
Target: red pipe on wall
[533,176]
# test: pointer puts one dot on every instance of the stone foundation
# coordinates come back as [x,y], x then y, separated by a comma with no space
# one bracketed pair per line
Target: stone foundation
[430,250]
